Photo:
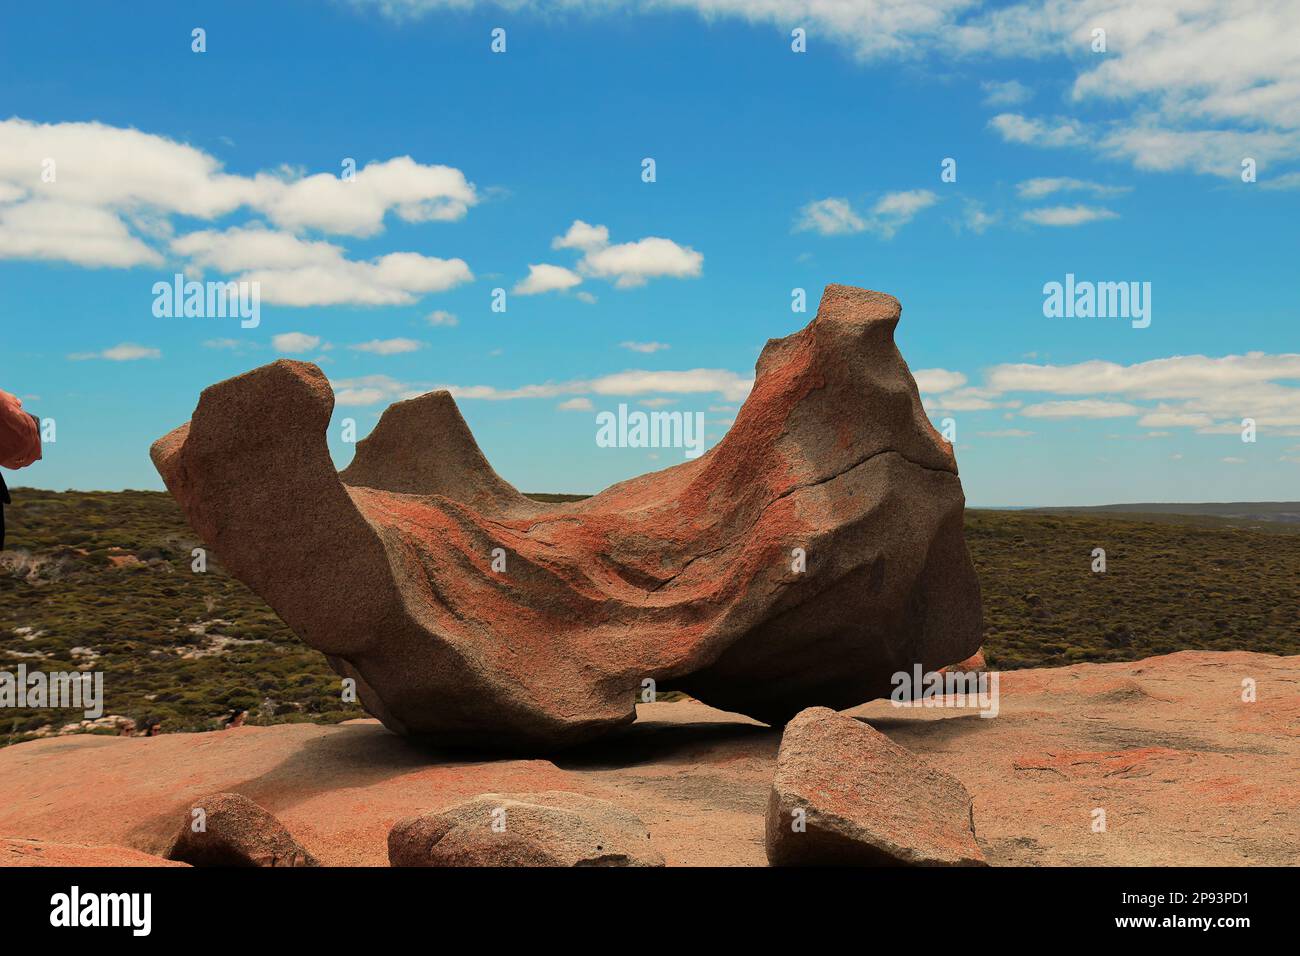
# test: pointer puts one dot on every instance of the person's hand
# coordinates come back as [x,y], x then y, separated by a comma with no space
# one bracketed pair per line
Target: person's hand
[20,433]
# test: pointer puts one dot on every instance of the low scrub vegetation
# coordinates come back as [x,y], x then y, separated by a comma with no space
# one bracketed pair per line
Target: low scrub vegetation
[102,581]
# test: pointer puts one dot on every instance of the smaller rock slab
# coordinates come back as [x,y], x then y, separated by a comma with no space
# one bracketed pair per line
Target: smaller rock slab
[236,832]
[847,795]
[552,828]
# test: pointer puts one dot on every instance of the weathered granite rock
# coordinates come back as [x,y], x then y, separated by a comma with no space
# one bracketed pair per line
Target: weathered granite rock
[15,853]
[237,832]
[846,795]
[555,828]
[687,576]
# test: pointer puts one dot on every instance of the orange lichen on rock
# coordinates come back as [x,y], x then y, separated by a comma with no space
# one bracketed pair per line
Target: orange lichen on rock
[470,614]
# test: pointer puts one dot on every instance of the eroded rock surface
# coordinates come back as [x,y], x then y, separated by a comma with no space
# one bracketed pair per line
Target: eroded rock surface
[555,828]
[687,576]
[42,853]
[1189,773]
[846,795]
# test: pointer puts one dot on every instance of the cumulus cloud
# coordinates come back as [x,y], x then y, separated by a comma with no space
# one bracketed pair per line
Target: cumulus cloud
[112,194]
[357,207]
[295,342]
[582,236]
[626,264]
[835,216]
[644,347]
[300,272]
[632,263]
[547,278]
[70,232]
[441,317]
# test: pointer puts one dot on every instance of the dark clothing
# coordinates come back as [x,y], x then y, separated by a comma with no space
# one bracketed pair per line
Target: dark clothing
[4,500]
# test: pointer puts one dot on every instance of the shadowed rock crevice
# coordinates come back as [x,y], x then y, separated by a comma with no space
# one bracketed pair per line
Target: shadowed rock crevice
[685,576]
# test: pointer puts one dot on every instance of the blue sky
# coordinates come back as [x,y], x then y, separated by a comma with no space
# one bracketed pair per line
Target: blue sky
[775,170]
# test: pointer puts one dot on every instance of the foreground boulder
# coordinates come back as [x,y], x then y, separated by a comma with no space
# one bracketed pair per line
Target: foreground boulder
[555,828]
[236,832]
[846,795]
[810,555]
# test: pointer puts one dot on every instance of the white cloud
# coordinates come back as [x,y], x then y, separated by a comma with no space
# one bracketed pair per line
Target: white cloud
[1005,93]
[731,386]
[1067,215]
[125,352]
[644,347]
[632,263]
[961,400]
[626,264]
[974,218]
[70,232]
[1015,128]
[938,379]
[582,236]
[547,278]
[835,216]
[115,192]
[395,279]
[1046,186]
[241,248]
[295,342]
[371,389]
[1285,181]
[388,346]
[1006,433]
[576,405]
[1223,71]
[1211,395]
[121,169]
[1172,419]
[441,317]
[1080,408]
[414,192]
[299,272]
